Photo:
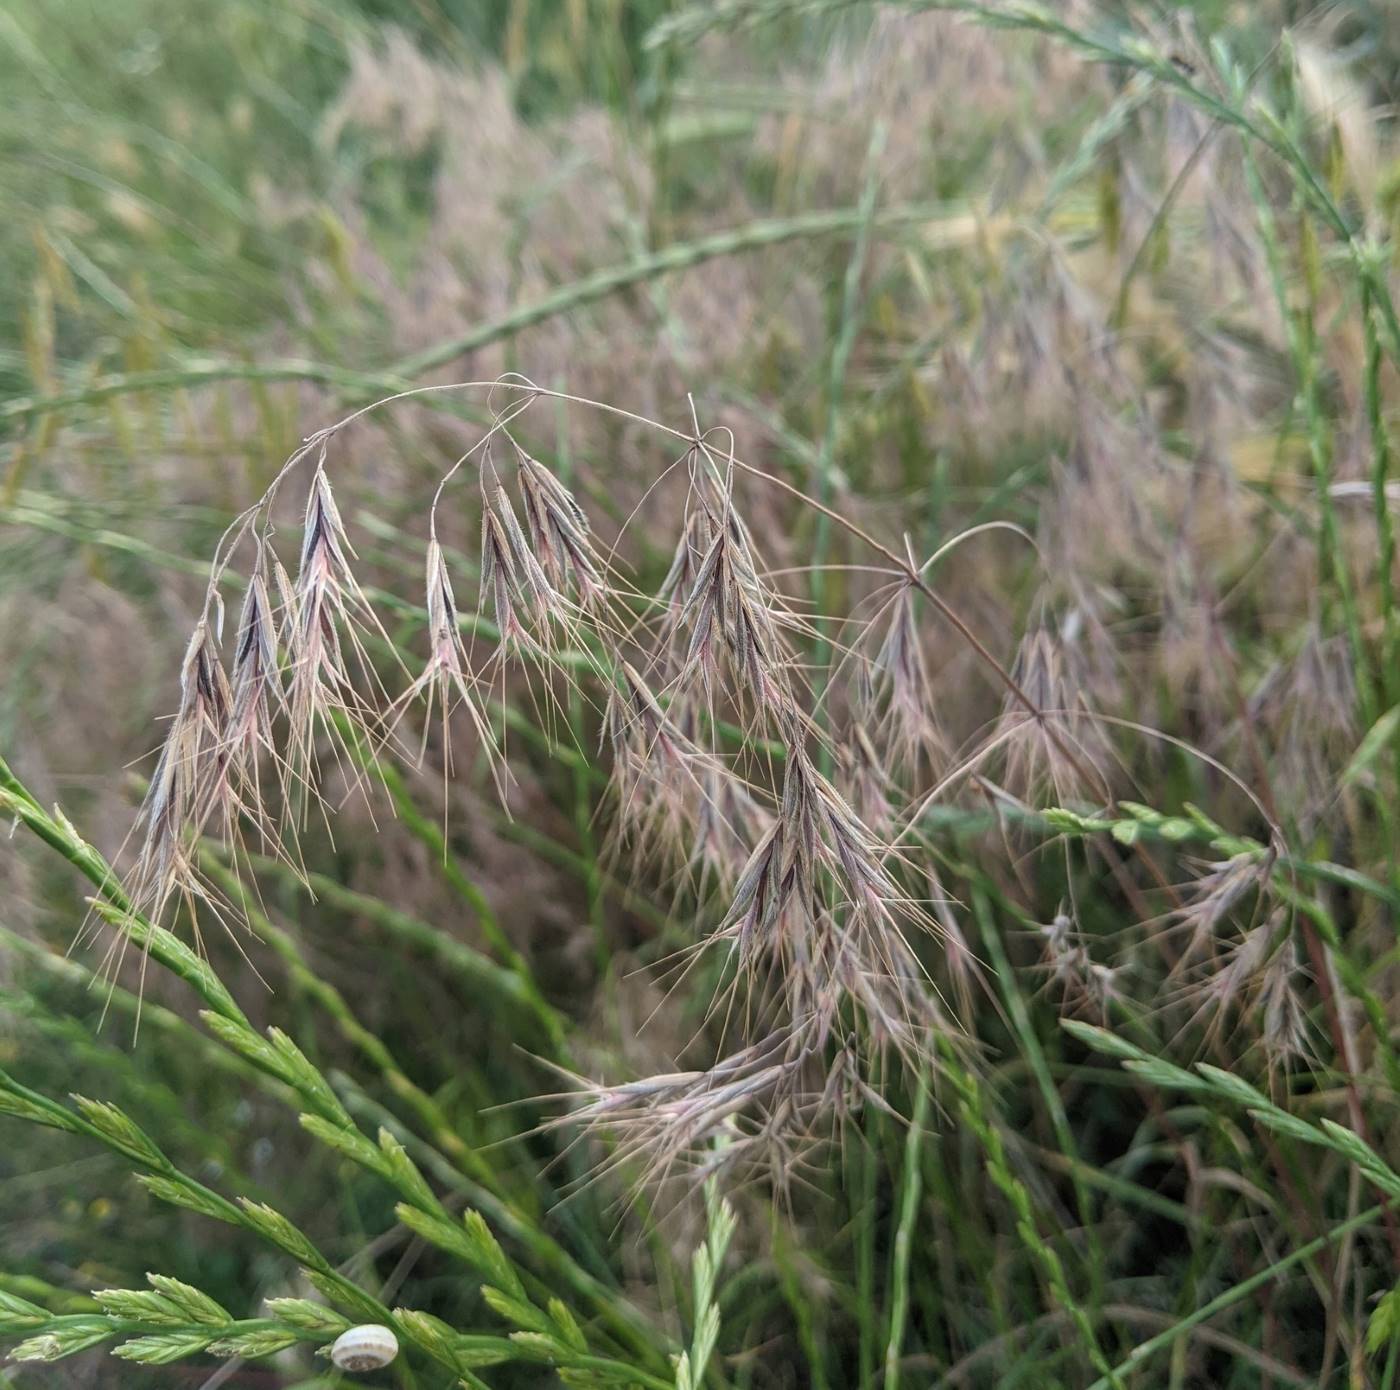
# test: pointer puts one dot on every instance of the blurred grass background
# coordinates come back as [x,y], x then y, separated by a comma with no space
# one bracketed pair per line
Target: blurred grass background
[950,274]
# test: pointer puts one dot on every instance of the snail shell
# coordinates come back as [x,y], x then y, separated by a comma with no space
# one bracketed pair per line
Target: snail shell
[364,1348]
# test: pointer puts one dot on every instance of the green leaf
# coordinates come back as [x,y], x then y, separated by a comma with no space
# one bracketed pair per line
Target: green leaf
[17,1313]
[1176,829]
[1140,811]
[498,1267]
[1203,821]
[477,1349]
[241,1038]
[348,1141]
[404,1172]
[1384,1324]
[344,1294]
[567,1324]
[446,1235]
[1291,1125]
[1236,1088]
[1156,1072]
[1101,1040]
[306,1078]
[42,1348]
[1351,1144]
[593,1377]
[432,1334]
[1072,823]
[76,1334]
[539,1345]
[1378,737]
[1347,1141]
[19,1106]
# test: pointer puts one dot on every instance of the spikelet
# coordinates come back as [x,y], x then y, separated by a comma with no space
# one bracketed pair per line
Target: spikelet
[896,701]
[184,788]
[1060,752]
[676,801]
[818,899]
[559,534]
[326,610]
[523,600]
[722,617]
[257,698]
[446,679]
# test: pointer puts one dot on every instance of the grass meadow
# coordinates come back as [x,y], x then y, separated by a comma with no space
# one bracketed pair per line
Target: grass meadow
[699,696]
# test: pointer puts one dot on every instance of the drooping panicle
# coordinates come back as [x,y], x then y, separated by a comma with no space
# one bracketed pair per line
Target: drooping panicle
[1217,892]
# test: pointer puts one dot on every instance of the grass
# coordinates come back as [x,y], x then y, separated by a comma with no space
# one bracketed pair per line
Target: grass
[785,772]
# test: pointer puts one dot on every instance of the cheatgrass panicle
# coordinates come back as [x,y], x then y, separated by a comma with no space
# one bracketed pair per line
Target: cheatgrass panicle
[1060,751]
[727,620]
[677,803]
[819,911]
[257,699]
[1217,896]
[897,705]
[758,1110]
[1082,984]
[522,598]
[867,782]
[717,768]
[1256,987]
[1306,710]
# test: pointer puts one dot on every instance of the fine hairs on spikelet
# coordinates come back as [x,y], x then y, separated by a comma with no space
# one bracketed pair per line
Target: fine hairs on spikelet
[559,533]
[1085,986]
[1256,987]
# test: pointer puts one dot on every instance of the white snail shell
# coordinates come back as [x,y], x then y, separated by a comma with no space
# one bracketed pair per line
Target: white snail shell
[364,1348]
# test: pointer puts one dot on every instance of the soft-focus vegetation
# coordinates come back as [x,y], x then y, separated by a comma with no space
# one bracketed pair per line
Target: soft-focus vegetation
[874,864]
